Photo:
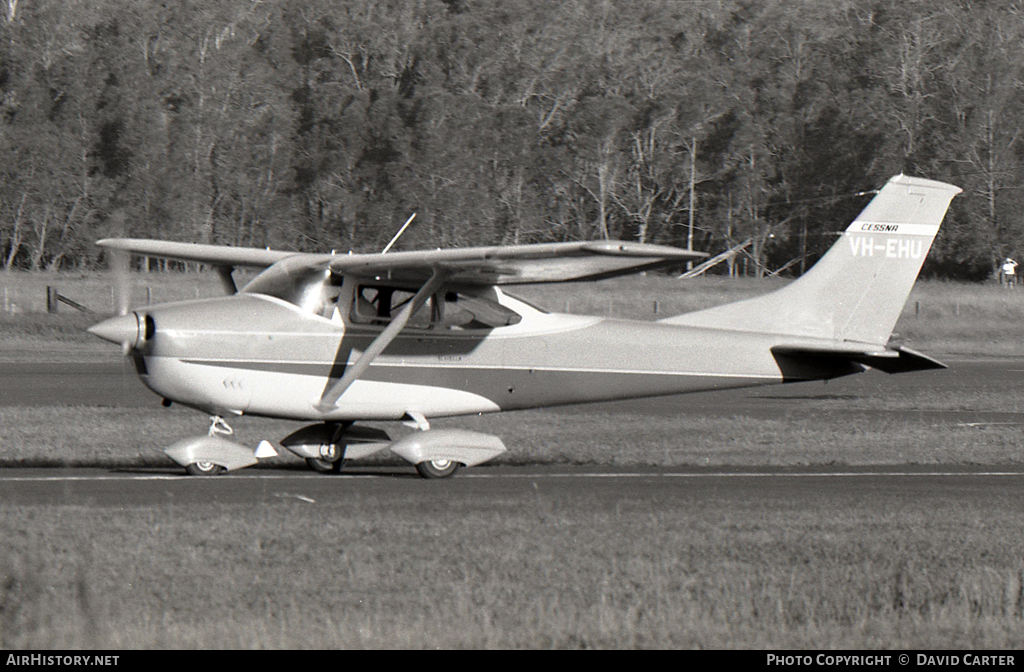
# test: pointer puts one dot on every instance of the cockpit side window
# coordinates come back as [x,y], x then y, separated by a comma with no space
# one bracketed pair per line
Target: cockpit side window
[378,304]
[451,310]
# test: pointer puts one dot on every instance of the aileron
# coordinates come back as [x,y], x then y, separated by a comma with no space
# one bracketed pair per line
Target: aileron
[214,255]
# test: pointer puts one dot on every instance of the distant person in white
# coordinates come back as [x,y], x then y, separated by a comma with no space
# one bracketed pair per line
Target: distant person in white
[1010,272]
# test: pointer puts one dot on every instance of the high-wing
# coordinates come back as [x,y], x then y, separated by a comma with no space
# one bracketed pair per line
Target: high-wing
[497,265]
[519,264]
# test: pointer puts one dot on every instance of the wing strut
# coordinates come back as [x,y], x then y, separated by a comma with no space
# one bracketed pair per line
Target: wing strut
[329,399]
[227,281]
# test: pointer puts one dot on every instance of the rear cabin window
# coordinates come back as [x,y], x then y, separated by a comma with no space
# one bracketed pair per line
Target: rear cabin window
[472,311]
[452,310]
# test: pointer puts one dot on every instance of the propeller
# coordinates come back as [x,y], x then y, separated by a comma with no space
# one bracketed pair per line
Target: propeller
[119,262]
[123,329]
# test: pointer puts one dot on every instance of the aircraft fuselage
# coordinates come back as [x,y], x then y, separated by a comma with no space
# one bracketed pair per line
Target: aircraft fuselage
[260,355]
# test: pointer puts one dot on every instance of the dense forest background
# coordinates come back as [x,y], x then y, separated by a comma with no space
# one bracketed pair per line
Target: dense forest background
[323,124]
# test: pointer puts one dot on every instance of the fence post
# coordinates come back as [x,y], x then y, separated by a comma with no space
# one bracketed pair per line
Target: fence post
[51,300]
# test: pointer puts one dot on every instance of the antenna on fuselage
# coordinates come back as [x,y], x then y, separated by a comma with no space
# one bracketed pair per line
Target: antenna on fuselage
[400,232]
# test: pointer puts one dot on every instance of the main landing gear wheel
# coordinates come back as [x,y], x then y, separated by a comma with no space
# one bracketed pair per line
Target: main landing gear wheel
[203,468]
[332,457]
[437,468]
[324,466]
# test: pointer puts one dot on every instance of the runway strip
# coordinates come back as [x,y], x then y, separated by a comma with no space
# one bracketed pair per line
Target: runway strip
[484,488]
[14,478]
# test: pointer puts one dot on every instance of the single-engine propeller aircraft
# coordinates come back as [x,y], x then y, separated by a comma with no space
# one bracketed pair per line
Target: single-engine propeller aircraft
[335,339]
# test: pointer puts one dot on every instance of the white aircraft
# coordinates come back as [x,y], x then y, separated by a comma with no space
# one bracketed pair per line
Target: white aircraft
[336,339]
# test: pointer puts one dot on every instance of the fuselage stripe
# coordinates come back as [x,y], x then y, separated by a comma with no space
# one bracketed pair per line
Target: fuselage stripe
[277,366]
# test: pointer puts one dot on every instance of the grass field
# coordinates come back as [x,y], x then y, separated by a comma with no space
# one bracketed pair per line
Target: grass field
[544,572]
[486,572]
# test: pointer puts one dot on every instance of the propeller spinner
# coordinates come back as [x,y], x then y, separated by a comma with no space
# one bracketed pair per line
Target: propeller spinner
[125,330]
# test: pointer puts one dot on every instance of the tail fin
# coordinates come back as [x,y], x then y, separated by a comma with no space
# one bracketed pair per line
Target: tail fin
[857,290]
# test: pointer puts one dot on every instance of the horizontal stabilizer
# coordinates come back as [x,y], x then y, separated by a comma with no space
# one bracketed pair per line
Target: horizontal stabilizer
[822,362]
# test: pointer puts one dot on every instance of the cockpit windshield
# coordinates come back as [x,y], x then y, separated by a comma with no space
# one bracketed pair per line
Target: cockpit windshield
[314,290]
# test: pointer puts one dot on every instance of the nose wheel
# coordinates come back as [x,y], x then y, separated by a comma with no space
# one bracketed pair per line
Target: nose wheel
[205,467]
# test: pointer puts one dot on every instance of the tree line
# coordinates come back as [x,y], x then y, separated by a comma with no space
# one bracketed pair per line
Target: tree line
[323,124]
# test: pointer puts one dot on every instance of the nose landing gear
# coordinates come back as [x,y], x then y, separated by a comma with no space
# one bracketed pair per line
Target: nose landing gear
[212,454]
